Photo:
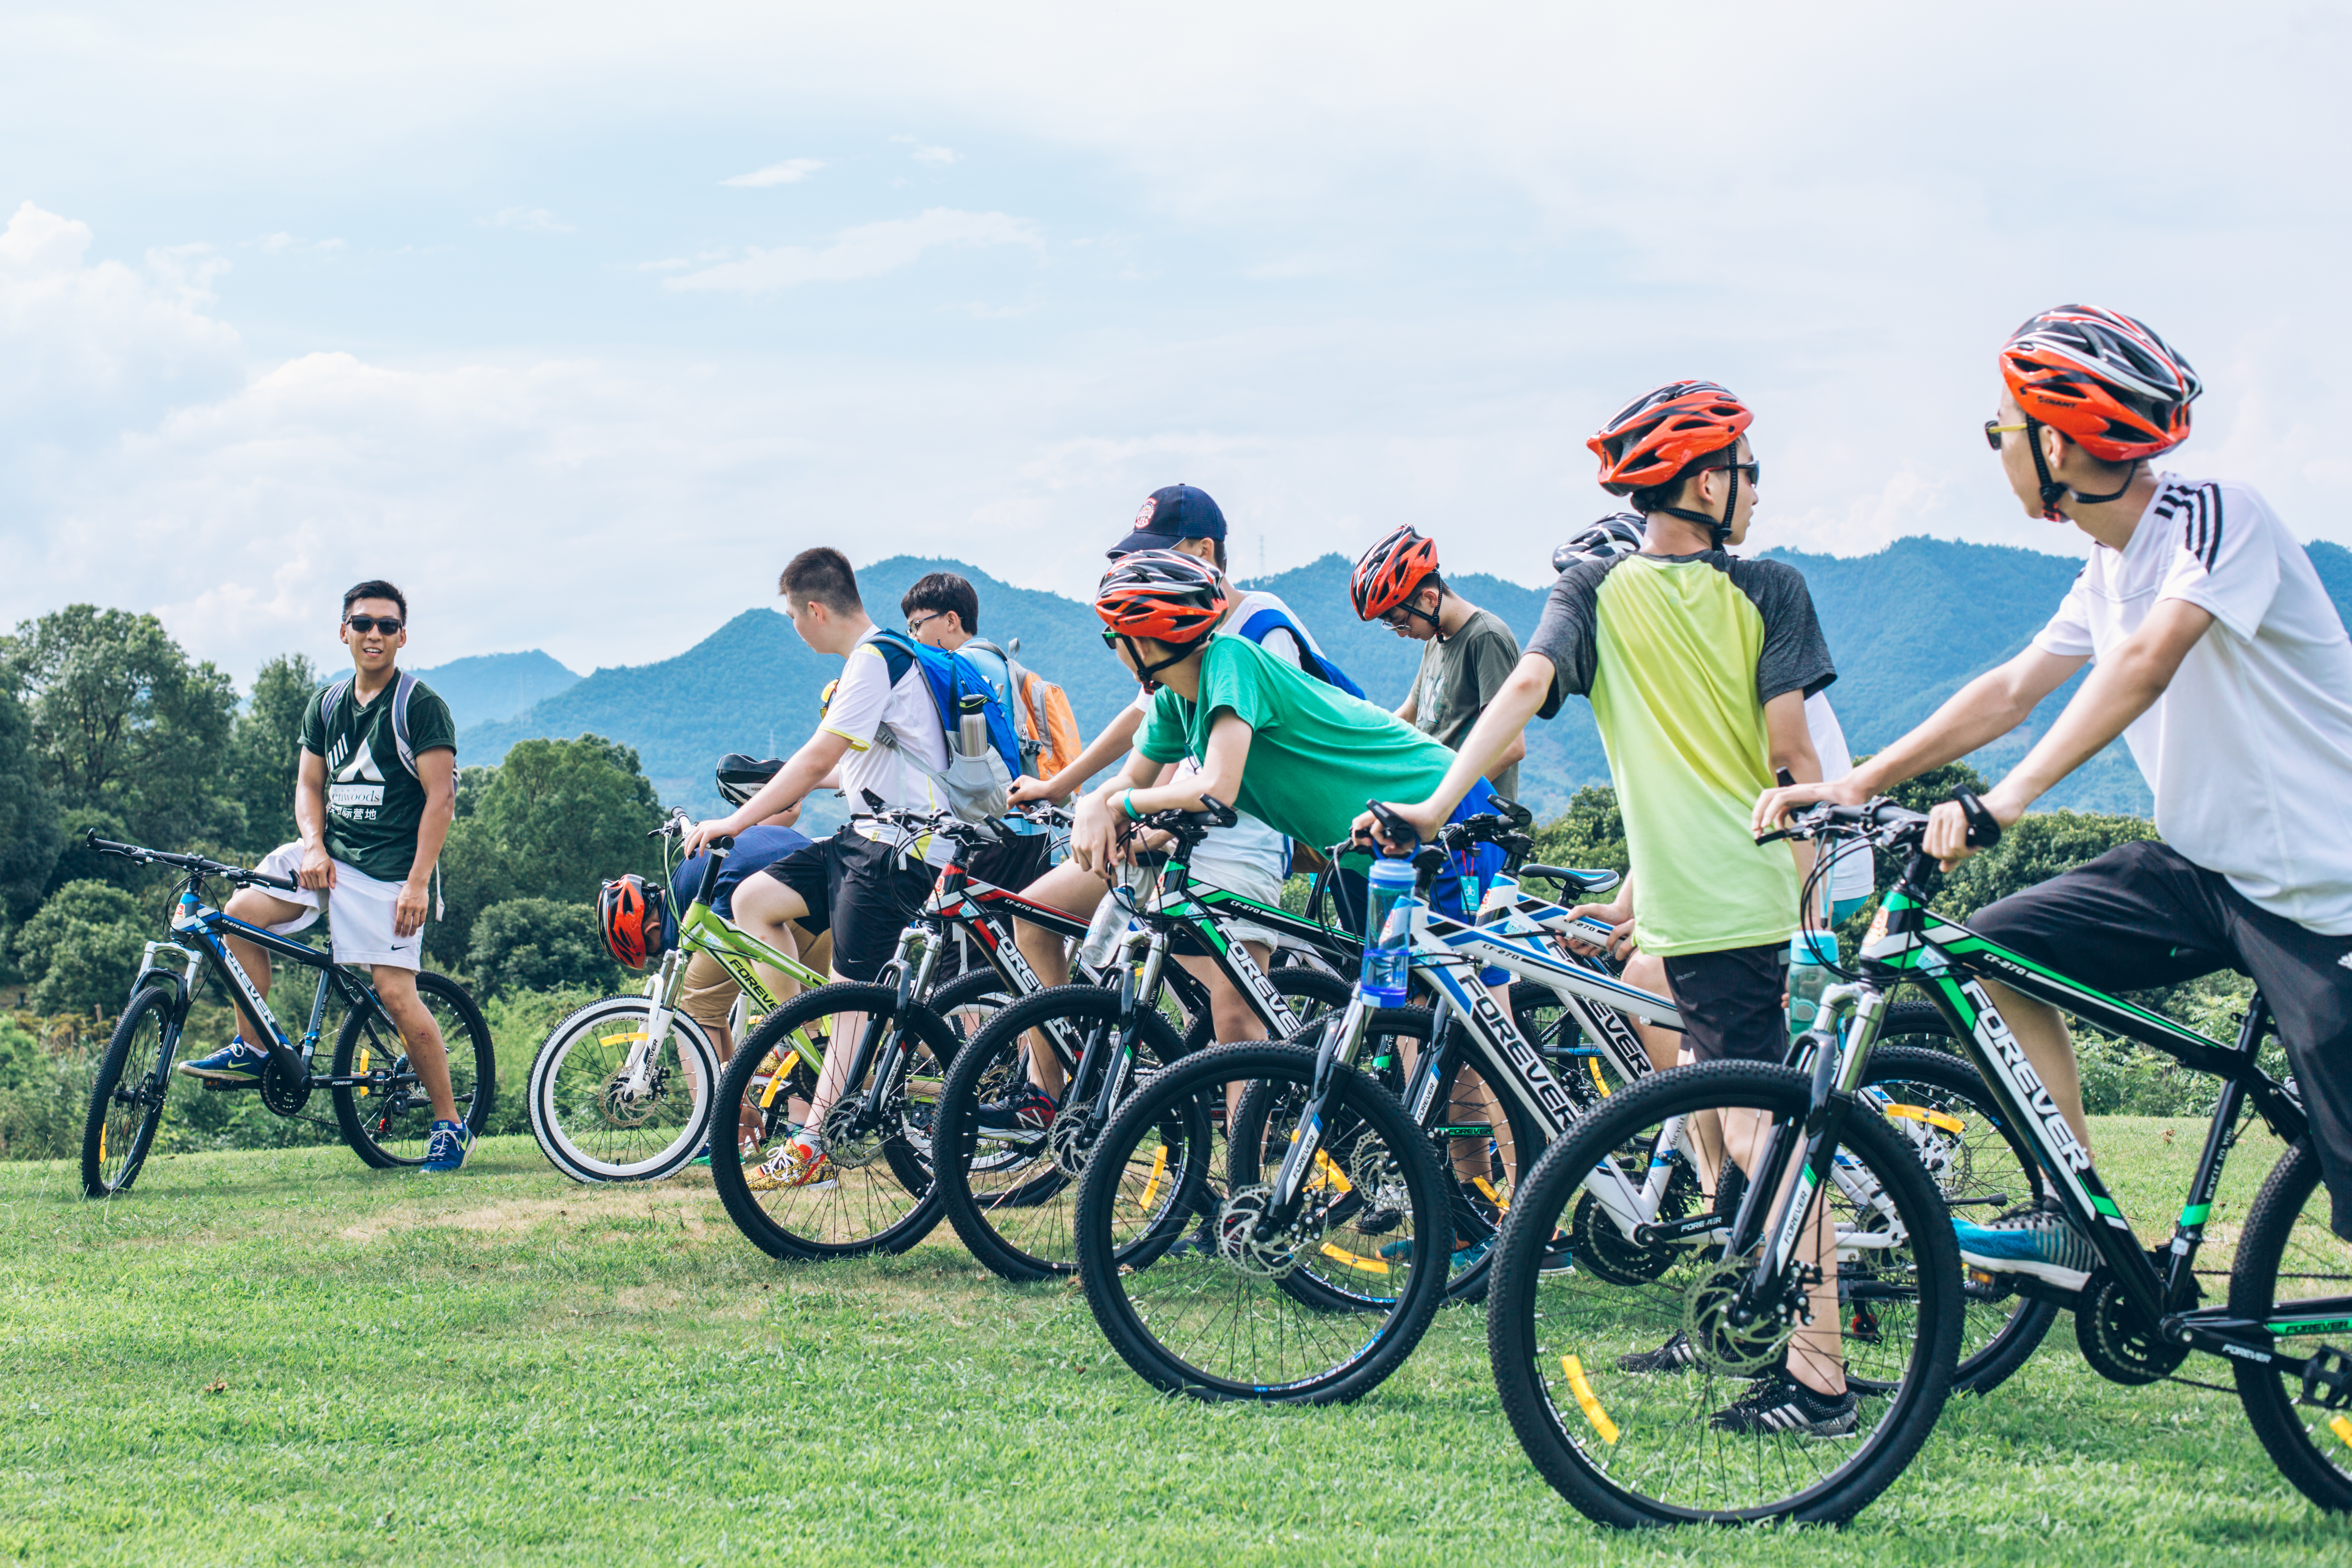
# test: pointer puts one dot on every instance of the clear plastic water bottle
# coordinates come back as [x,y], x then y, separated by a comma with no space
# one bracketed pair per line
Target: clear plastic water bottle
[1810,954]
[1388,949]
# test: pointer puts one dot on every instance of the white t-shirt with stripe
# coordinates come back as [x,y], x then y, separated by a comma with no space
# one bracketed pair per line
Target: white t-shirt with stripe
[2249,750]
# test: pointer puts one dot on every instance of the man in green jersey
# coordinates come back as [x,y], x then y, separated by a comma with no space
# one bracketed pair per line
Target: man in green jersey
[373,798]
[1698,665]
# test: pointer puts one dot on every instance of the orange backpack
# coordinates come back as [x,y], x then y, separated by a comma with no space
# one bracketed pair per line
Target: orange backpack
[1041,712]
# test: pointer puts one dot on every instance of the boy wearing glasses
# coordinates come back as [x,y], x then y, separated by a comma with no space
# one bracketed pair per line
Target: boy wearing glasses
[1698,664]
[373,798]
[2220,661]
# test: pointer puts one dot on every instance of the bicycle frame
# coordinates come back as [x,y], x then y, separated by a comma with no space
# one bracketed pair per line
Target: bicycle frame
[204,925]
[1950,962]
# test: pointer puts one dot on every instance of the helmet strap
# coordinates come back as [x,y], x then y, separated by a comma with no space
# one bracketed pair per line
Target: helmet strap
[1436,630]
[1146,671]
[2130,475]
[2053,492]
[1718,530]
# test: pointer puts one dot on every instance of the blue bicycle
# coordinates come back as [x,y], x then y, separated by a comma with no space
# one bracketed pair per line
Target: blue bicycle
[380,1107]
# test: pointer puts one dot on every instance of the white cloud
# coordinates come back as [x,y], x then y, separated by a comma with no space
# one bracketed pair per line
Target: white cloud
[937,157]
[866,251]
[533,220]
[790,171]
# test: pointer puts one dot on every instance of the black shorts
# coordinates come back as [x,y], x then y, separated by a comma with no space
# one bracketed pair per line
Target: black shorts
[1731,1002]
[860,892]
[2143,915]
[1020,859]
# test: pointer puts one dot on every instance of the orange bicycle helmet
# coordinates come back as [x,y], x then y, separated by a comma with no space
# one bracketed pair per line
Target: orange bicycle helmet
[1391,572]
[635,920]
[1655,436]
[2100,379]
[1170,598]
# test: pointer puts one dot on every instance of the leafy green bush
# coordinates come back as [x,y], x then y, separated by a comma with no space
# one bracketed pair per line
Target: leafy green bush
[537,945]
[82,949]
[44,1095]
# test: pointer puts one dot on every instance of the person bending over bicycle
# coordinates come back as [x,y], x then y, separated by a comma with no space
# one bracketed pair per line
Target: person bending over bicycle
[1698,665]
[860,888]
[375,793]
[1246,858]
[2222,664]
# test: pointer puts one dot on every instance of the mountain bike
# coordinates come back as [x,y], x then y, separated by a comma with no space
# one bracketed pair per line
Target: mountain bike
[1624,1447]
[381,1109]
[1009,1190]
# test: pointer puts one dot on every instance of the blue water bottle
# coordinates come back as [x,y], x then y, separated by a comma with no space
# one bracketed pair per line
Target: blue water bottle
[1810,954]
[1388,950]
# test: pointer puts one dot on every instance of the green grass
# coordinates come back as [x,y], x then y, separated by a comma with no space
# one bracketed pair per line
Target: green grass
[281,1357]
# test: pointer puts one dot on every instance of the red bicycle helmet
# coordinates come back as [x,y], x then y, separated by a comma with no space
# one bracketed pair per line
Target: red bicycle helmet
[2102,380]
[1655,436]
[1390,573]
[635,917]
[1160,594]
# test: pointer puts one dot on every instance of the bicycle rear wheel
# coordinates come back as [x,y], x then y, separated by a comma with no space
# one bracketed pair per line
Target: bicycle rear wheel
[1636,1432]
[1217,1315]
[388,1119]
[874,1191]
[126,1102]
[600,1114]
[2291,1264]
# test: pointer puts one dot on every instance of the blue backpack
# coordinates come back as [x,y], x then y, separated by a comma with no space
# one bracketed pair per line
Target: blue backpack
[975,787]
[1310,659]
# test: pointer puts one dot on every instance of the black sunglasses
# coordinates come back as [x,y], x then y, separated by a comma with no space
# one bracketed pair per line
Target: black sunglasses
[388,624]
[1755,471]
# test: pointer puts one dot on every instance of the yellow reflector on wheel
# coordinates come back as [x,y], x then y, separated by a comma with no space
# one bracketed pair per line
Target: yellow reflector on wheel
[1583,1391]
[1158,1168]
[1488,1188]
[1332,1172]
[362,1065]
[1936,1119]
[1593,1064]
[2343,1429]
[792,1060]
[1355,1261]
[630,1039]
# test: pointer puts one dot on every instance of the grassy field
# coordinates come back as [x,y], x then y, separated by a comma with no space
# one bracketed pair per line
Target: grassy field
[281,1357]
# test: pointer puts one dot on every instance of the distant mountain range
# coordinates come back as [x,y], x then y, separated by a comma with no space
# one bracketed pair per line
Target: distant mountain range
[491,686]
[1908,626]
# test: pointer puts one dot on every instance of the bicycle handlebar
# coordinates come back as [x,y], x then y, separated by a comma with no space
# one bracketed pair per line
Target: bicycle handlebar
[198,865]
[1882,819]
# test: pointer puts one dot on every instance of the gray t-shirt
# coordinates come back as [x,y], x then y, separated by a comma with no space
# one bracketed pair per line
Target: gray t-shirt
[1459,675]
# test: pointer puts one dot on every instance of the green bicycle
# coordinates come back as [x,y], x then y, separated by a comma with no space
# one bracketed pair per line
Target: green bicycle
[625,1089]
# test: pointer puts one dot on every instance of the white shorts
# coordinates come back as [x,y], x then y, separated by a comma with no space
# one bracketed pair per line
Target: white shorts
[360,910]
[1255,874]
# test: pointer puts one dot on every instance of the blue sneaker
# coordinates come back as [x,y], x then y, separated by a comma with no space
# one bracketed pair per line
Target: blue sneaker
[236,1063]
[2040,1242]
[446,1150]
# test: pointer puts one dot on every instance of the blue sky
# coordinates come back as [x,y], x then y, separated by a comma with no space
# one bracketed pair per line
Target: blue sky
[579,320]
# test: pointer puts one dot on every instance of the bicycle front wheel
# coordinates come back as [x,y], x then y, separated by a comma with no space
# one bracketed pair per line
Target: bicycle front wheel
[387,1119]
[1652,1391]
[872,1190]
[2291,1265]
[1218,1313]
[609,1103]
[126,1104]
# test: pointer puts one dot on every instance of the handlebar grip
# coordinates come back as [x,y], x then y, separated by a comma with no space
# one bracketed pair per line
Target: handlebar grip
[1398,829]
[1984,832]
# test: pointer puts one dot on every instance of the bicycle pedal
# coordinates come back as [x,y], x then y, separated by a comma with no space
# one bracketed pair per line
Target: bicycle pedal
[218,1086]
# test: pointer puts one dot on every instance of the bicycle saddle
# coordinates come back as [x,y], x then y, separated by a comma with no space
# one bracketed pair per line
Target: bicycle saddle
[1582,881]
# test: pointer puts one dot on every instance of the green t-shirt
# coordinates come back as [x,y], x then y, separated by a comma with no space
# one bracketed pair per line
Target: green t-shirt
[374,803]
[1679,654]
[1315,753]
[1458,677]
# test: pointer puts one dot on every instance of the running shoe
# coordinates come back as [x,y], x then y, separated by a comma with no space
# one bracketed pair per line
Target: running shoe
[798,1164]
[1777,1403]
[1022,1114]
[233,1063]
[448,1148]
[2040,1240]
[1678,1354]
[1400,1252]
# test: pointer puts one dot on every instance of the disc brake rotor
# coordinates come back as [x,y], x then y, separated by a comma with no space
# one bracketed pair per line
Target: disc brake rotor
[1723,1346]
[1241,1219]
[849,1145]
[621,1106]
[1071,1140]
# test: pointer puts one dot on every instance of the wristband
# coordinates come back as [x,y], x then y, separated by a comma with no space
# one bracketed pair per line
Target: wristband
[1127,804]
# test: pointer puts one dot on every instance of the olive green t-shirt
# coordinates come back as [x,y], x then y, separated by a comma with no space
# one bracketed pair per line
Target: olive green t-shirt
[1315,753]
[1679,654]
[374,803]
[1459,677]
